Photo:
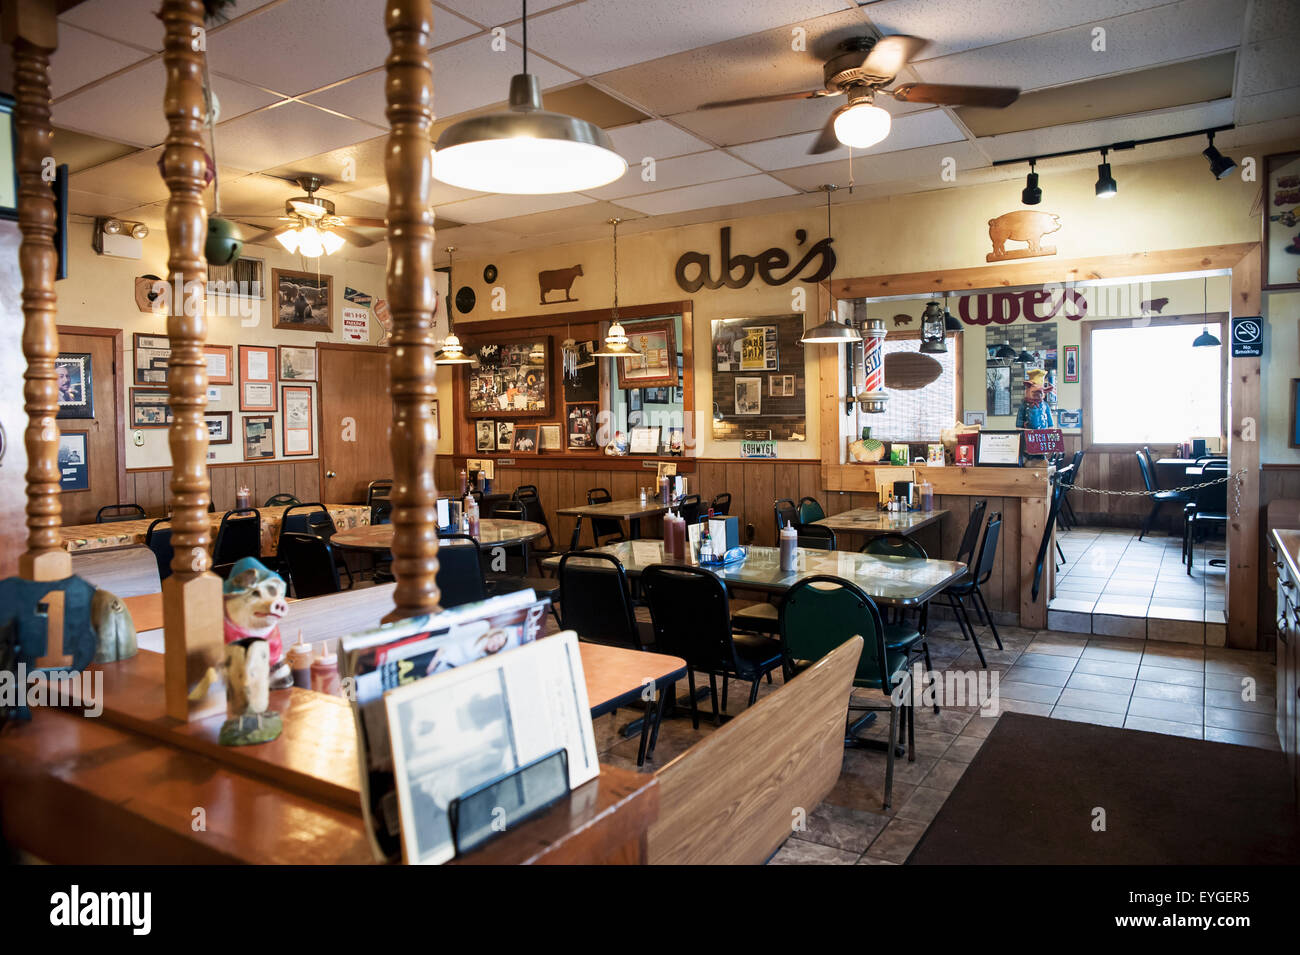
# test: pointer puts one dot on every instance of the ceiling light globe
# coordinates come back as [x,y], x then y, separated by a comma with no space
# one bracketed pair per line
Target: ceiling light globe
[862,125]
[289,240]
[310,244]
[527,165]
[332,242]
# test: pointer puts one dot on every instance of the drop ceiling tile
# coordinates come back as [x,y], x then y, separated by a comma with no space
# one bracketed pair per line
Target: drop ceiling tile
[133,21]
[925,128]
[488,208]
[631,33]
[656,138]
[254,196]
[440,194]
[362,162]
[1264,107]
[491,13]
[592,218]
[128,108]
[674,173]
[1191,28]
[706,196]
[286,132]
[1268,65]
[135,177]
[93,204]
[952,27]
[1273,18]
[903,165]
[84,57]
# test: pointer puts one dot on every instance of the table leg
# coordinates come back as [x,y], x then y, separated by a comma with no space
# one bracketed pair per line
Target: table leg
[634,528]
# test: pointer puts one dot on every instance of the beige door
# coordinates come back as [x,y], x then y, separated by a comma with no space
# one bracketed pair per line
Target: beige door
[101,433]
[356,416]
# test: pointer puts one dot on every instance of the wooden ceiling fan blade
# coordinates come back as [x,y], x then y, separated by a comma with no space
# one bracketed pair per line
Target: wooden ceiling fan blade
[269,235]
[943,94]
[364,222]
[353,237]
[891,54]
[774,98]
[826,139]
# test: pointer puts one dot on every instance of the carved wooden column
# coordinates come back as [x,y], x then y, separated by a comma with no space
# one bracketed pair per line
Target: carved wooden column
[33,30]
[408,164]
[192,609]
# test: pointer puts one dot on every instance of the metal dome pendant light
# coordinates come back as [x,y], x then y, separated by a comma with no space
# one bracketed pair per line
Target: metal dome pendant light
[616,344]
[1205,339]
[453,353]
[526,150]
[832,331]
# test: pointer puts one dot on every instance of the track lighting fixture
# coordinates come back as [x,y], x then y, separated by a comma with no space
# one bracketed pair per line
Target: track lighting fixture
[1031,195]
[1220,164]
[1106,187]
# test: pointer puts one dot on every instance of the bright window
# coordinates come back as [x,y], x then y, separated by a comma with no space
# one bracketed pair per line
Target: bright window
[1150,386]
[916,412]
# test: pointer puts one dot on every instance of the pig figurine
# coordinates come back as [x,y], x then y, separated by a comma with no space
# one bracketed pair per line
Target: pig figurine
[254,603]
[1023,225]
[114,627]
[249,718]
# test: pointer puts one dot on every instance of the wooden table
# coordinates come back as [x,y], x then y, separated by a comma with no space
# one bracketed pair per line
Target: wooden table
[630,509]
[83,537]
[892,581]
[492,532]
[871,522]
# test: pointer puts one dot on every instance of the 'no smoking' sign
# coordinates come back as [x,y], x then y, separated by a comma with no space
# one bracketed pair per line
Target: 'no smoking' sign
[1248,337]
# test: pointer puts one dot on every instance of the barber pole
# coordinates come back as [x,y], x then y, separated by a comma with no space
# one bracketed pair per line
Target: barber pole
[873,397]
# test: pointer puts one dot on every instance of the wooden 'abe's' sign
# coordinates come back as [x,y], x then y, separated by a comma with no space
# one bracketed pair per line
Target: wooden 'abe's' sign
[695,269]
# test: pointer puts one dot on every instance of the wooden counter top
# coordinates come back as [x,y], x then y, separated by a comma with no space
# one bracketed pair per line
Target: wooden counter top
[1027,482]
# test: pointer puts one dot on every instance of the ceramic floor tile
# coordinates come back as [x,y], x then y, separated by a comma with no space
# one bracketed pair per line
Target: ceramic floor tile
[1263,740]
[1240,720]
[1233,700]
[1194,731]
[1171,692]
[1093,700]
[1099,683]
[842,828]
[1046,661]
[802,852]
[898,840]
[1041,676]
[1127,671]
[1171,710]
[1028,692]
[1077,715]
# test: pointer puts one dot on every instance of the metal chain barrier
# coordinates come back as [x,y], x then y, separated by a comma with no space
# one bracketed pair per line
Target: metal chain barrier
[1236,489]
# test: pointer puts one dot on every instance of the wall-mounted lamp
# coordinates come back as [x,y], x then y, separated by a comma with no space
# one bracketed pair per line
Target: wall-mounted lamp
[118,237]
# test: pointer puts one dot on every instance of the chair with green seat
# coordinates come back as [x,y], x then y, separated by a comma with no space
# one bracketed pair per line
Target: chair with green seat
[899,633]
[281,500]
[819,614]
[810,510]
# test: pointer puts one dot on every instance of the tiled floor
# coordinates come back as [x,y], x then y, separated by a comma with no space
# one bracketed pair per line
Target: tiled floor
[1161,687]
[1112,584]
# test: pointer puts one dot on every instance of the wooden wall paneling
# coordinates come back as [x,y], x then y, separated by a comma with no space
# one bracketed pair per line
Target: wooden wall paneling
[759,487]
[1245,426]
[223,488]
[742,502]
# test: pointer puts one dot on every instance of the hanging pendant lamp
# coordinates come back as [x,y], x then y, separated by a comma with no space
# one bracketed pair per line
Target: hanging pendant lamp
[950,322]
[526,150]
[616,343]
[832,331]
[933,330]
[1205,339]
[453,353]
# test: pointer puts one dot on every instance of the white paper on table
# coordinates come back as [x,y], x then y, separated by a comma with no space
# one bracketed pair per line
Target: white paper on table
[646,552]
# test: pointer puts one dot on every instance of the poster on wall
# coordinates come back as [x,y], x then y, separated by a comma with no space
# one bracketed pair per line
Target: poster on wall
[1071,371]
[738,347]
[582,426]
[76,386]
[1282,221]
[749,396]
[583,383]
[304,300]
[356,324]
[485,436]
[74,468]
[152,352]
[297,420]
[511,377]
[259,437]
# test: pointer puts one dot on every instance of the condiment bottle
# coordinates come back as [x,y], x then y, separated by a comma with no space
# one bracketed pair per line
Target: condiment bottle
[789,548]
[927,496]
[300,655]
[670,530]
[325,672]
[243,498]
[471,516]
[678,524]
[464,481]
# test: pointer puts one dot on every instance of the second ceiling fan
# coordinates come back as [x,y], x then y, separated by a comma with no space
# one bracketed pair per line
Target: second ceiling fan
[861,68]
[311,226]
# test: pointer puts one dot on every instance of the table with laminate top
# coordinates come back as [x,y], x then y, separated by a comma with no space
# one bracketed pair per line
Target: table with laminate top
[872,522]
[630,509]
[493,532]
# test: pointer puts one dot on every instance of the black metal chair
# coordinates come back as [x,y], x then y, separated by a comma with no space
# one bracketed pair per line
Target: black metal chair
[158,538]
[239,535]
[119,512]
[526,494]
[604,530]
[310,562]
[899,634]
[1159,498]
[969,586]
[784,512]
[513,576]
[815,536]
[378,494]
[1067,517]
[460,573]
[810,510]
[1208,506]
[281,500]
[721,503]
[690,613]
[381,512]
[312,518]
[971,536]
[690,508]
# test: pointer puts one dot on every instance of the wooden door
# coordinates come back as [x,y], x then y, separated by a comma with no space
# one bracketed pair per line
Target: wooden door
[356,417]
[103,453]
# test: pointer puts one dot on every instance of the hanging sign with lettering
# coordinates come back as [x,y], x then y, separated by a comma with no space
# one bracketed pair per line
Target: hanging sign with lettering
[695,269]
[1033,305]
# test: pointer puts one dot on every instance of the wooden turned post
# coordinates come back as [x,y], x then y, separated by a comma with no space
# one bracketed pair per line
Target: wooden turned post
[408,164]
[32,30]
[192,607]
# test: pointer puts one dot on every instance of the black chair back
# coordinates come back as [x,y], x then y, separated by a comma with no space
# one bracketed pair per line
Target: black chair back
[1213,499]
[119,512]
[816,536]
[239,536]
[721,503]
[515,554]
[785,513]
[595,600]
[988,549]
[310,561]
[894,545]
[307,519]
[509,511]
[460,574]
[971,536]
[603,527]
[810,509]
[1074,468]
[158,538]
[379,491]
[690,615]
[281,500]
[526,494]
[1148,468]
[381,512]
[689,508]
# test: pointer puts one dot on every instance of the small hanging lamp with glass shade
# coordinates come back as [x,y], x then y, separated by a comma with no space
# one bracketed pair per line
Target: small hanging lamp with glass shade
[453,353]
[933,330]
[832,331]
[1205,339]
[616,344]
[526,150]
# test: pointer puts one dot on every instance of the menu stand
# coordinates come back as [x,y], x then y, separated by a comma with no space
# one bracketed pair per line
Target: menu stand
[490,809]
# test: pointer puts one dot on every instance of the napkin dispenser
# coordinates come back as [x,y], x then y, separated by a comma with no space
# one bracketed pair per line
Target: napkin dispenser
[729,525]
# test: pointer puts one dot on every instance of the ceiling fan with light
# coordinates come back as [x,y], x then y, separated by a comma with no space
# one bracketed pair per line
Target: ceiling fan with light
[860,68]
[311,227]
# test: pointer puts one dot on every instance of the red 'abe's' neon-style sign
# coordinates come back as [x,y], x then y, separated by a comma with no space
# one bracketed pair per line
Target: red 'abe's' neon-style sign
[1037,305]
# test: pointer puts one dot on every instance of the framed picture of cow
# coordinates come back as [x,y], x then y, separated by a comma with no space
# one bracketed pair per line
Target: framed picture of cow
[510,378]
[303,300]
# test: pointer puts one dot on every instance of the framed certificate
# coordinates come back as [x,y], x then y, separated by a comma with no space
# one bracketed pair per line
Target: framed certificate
[220,360]
[296,439]
[998,449]
[257,367]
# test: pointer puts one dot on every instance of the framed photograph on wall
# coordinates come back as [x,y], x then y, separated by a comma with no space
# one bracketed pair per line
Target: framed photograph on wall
[303,300]
[150,408]
[297,363]
[259,437]
[525,439]
[152,352]
[505,435]
[485,436]
[243,278]
[76,385]
[1070,372]
[635,397]
[257,365]
[749,396]
[510,377]
[655,361]
[219,427]
[1281,222]
[581,420]
[74,467]
[296,421]
[220,360]
[550,437]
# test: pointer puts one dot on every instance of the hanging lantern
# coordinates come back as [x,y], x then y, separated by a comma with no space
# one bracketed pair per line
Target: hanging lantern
[616,344]
[933,330]
[873,397]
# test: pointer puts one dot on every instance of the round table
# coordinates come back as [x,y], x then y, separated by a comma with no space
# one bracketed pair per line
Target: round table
[493,532]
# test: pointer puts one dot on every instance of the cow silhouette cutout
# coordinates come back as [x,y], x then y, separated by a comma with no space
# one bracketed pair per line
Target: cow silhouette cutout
[557,280]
